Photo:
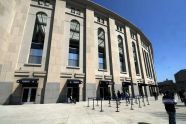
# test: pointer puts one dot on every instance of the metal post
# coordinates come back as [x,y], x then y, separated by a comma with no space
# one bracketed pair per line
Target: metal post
[131,104]
[101,106]
[143,101]
[126,102]
[109,103]
[97,102]
[139,102]
[117,106]
[136,100]
[88,103]
[93,105]
[147,100]
[132,100]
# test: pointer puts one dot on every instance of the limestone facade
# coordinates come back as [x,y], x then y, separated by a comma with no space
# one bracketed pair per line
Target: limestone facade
[107,53]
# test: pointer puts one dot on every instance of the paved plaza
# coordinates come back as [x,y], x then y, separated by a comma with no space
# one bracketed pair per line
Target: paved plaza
[81,114]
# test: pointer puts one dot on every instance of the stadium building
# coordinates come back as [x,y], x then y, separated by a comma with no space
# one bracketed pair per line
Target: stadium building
[53,49]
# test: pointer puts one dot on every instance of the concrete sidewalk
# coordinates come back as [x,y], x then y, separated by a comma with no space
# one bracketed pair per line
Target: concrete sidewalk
[81,114]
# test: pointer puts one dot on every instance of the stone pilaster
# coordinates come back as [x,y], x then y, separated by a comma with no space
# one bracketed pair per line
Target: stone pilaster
[90,55]
[131,60]
[114,51]
[55,59]
[152,63]
[141,58]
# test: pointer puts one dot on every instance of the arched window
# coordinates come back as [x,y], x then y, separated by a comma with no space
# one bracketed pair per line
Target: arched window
[121,54]
[101,49]
[135,58]
[73,58]
[146,64]
[38,38]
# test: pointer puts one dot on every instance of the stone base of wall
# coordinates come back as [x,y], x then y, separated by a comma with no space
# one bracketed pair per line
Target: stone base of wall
[52,92]
[147,91]
[5,92]
[90,90]
[136,90]
[118,87]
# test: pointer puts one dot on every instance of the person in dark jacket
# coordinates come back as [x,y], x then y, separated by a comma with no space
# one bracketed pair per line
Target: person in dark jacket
[169,102]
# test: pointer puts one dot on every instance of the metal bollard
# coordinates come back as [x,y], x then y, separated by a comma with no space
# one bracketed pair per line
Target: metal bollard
[136,100]
[126,102]
[147,100]
[88,103]
[143,101]
[139,102]
[101,106]
[93,105]
[117,106]
[131,108]
[97,102]
[109,103]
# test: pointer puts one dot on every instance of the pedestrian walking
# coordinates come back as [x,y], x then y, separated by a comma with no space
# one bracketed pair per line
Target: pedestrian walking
[122,96]
[184,98]
[127,97]
[169,103]
[113,95]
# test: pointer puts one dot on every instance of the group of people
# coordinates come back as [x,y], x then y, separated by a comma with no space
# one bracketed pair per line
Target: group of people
[123,95]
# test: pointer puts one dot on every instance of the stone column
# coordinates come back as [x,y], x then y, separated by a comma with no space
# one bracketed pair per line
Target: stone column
[152,63]
[90,55]
[81,92]
[114,53]
[141,58]
[130,55]
[144,75]
[147,90]
[52,89]
[136,89]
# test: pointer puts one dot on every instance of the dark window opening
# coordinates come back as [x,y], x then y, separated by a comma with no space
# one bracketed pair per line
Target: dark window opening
[135,58]
[38,38]
[121,54]
[133,34]
[100,20]
[44,2]
[72,10]
[73,58]
[101,49]
[78,12]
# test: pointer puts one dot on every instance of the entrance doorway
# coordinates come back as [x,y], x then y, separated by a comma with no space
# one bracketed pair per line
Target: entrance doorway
[126,89]
[105,89]
[74,92]
[29,94]
[105,92]
[141,90]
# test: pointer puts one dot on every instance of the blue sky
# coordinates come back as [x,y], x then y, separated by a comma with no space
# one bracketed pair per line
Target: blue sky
[164,23]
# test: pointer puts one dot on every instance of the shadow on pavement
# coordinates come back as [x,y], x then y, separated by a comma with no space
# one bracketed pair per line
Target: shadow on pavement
[180,106]
[143,123]
[179,116]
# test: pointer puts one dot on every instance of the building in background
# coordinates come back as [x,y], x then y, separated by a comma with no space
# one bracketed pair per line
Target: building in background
[167,85]
[180,78]
[53,49]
